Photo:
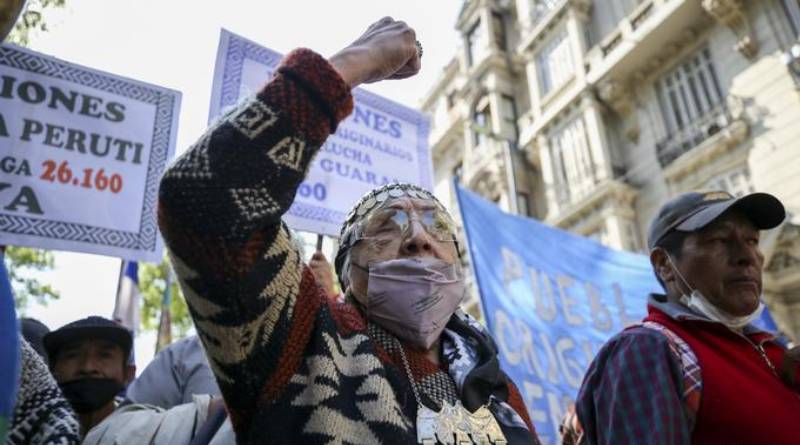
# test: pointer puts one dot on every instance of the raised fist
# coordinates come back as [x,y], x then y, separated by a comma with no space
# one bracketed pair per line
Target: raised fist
[386,50]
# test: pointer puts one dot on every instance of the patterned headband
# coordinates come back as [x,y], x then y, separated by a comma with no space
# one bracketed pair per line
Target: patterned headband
[377,197]
[374,200]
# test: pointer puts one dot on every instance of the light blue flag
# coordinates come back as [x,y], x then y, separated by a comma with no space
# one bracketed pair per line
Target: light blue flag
[9,351]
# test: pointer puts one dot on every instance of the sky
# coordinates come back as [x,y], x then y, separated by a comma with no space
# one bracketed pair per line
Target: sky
[173,44]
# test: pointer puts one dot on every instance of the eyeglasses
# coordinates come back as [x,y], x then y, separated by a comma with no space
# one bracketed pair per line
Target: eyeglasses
[385,224]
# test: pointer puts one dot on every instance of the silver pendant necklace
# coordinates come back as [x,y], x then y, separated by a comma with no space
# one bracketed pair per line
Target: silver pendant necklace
[453,424]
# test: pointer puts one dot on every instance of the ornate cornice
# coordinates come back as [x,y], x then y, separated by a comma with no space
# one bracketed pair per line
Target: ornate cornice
[619,97]
[669,52]
[731,13]
[489,182]
[485,170]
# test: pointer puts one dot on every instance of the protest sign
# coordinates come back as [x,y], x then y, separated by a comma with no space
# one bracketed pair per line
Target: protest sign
[381,142]
[81,152]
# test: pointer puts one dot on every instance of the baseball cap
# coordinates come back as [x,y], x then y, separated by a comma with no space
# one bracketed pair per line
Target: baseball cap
[92,327]
[692,211]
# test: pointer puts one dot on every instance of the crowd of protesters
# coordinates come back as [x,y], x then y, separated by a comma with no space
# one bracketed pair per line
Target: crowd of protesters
[288,352]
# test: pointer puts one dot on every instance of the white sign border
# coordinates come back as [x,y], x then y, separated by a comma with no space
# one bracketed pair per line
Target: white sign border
[145,243]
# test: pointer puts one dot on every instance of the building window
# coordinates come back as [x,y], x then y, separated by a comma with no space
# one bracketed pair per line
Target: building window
[736,182]
[555,63]
[523,207]
[509,114]
[792,10]
[477,43]
[573,167]
[692,105]
[690,91]
[481,122]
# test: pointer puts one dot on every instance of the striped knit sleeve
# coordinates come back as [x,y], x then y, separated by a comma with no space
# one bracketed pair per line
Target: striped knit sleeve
[631,393]
[220,208]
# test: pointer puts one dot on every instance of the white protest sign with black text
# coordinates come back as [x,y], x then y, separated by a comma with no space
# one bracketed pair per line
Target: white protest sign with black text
[81,155]
[381,142]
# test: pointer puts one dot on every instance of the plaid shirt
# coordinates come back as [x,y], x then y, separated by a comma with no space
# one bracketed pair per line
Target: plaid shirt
[643,386]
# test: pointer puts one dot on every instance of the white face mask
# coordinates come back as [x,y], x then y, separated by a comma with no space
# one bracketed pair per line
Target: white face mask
[413,298]
[699,303]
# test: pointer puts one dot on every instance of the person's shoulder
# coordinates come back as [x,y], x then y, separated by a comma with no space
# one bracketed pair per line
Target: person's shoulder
[639,333]
[635,340]
[347,317]
[144,423]
[133,422]
[187,347]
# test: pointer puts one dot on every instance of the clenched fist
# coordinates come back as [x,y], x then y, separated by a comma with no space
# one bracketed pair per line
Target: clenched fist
[386,50]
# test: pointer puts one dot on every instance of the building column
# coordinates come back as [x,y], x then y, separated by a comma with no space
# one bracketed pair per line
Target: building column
[524,15]
[469,144]
[577,37]
[495,107]
[548,177]
[614,230]
[532,76]
[488,28]
[597,138]
[464,53]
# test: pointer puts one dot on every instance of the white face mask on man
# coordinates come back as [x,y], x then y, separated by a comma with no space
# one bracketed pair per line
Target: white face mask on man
[700,304]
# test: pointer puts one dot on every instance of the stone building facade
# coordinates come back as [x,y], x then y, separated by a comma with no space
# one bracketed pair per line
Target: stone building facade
[588,115]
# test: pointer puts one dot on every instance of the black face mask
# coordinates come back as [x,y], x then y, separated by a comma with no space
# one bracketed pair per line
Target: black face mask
[90,394]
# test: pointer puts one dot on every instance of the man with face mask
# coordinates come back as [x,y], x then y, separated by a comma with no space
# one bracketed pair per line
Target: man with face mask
[696,370]
[396,363]
[89,360]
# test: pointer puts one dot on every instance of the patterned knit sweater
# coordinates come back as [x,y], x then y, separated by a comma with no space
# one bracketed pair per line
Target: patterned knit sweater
[42,415]
[293,367]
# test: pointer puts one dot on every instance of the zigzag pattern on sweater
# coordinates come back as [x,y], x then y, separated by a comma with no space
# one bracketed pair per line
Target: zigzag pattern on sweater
[41,415]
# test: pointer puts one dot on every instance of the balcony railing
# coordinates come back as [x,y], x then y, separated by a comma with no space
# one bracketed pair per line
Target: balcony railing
[692,135]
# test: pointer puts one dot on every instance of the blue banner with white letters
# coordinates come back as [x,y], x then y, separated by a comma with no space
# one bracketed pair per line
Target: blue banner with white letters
[551,299]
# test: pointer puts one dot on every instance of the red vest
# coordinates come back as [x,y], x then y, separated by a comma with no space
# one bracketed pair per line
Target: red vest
[742,401]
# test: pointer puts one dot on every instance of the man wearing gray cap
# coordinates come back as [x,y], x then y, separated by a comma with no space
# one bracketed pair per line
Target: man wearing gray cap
[696,370]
